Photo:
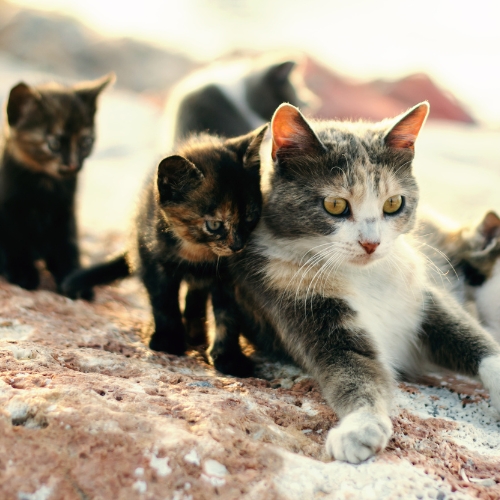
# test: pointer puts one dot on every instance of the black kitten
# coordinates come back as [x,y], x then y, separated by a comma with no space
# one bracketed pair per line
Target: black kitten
[49,133]
[199,208]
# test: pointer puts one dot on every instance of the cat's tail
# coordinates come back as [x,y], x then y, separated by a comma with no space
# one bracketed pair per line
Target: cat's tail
[80,283]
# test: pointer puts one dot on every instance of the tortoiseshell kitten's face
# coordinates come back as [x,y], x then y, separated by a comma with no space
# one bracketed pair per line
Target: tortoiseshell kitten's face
[210,193]
[50,128]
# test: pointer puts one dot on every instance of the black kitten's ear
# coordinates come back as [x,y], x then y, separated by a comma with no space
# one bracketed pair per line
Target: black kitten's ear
[490,226]
[22,99]
[404,134]
[176,177]
[88,91]
[246,146]
[280,72]
[291,133]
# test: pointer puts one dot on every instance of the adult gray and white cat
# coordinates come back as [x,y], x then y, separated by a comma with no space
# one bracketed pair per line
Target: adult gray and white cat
[332,279]
[466,261]
[234,97]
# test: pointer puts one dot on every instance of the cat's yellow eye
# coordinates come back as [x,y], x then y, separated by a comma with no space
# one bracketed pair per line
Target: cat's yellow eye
[393,204]
[213,225]
[336,206]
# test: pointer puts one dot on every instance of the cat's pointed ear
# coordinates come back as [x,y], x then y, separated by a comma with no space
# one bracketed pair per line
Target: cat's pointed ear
[247,146]
[291,133]
[490,226]
[404,134]
[22,99]
[176,177]
[88,91]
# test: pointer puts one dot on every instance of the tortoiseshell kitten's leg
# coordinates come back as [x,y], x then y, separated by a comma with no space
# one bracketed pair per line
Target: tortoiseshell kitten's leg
[163,290]
[195,314]
[455,341]
[226,351]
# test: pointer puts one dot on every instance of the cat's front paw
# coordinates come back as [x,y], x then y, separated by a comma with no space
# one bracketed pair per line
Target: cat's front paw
[359,436]
[489,371]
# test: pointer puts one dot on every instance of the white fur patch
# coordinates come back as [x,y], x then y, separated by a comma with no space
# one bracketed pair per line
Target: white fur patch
[389,303]
[359,436]
[489,372]
[488,302]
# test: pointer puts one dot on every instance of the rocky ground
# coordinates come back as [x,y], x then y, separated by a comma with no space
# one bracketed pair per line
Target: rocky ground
[89,412]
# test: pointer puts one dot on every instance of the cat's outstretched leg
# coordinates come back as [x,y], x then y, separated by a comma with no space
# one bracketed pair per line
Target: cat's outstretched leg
[359,390]
[225,351]
[323,337]
[456,341]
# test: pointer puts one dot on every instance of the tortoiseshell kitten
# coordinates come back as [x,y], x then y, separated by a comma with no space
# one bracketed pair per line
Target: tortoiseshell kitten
[199,207]
[332,278]
[49,132]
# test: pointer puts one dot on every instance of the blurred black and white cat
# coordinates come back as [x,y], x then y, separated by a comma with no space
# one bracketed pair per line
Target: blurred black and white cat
[232,98]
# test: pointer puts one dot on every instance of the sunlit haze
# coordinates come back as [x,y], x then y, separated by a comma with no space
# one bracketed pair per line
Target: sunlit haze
[456,42]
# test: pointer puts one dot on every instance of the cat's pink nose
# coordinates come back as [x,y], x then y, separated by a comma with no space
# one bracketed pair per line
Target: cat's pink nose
[369,246]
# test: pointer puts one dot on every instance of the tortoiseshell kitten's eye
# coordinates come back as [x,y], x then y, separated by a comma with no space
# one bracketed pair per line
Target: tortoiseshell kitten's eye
[251,217]
[336,206]
[393,205]
[213,225]
[54,143]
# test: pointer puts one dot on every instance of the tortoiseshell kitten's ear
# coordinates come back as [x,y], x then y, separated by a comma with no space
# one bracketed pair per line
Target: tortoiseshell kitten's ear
[247,146]
[176,177]
[404,134]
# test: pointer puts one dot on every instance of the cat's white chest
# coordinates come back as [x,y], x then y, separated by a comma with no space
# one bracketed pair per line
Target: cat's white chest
[389,307]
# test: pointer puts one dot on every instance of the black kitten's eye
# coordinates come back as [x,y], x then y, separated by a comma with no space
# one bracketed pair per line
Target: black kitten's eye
[213,225]
[251,217]
[54,143]
[86,142]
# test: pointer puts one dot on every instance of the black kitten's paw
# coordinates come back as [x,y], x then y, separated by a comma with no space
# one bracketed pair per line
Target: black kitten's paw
[27,278]
[233,363]
[171,342]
